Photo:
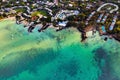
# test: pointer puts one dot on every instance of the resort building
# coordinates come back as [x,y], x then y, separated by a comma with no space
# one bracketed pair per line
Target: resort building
[100,17]
[113,23]
[66,13]
[105,18]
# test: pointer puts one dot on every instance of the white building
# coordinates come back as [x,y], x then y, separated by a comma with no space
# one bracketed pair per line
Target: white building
[56,2]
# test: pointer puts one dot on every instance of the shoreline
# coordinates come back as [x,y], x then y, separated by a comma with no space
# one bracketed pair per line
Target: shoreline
[9,18]
[83,32]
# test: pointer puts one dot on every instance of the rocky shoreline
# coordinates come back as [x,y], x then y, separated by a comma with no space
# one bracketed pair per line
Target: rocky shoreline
[81,16]
[83,31]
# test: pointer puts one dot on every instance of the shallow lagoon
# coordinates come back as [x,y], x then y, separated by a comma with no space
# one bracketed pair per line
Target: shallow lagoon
[52,55]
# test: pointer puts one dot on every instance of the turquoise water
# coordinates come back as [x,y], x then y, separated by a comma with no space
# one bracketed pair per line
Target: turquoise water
[52,55]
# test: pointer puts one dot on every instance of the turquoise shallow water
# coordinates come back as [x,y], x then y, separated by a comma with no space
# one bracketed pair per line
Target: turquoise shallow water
[51,55]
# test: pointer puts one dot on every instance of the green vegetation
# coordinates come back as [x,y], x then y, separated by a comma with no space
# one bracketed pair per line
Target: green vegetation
[36,13]
[117,29]
[20,10]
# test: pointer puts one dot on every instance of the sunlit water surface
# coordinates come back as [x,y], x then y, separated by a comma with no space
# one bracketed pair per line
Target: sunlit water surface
[52,55]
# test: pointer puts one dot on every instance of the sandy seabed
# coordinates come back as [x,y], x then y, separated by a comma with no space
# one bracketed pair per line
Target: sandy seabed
[52,55]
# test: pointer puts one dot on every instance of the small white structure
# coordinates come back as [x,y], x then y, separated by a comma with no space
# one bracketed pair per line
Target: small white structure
[63,24]
[56,2]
